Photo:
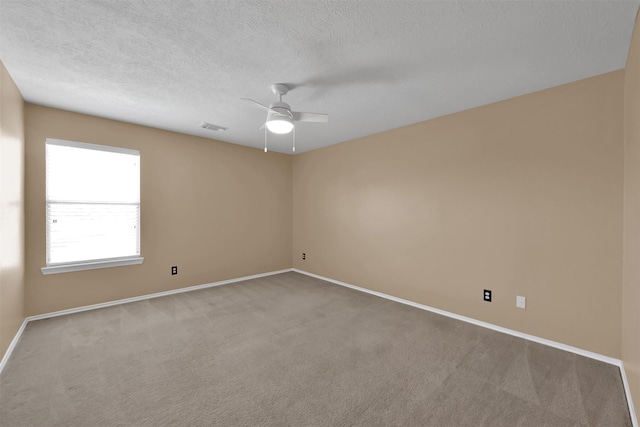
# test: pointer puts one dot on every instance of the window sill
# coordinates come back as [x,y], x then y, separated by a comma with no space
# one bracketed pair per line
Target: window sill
[67,268]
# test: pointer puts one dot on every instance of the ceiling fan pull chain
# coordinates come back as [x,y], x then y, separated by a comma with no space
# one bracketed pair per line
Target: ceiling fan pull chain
[265,139]
[294,139]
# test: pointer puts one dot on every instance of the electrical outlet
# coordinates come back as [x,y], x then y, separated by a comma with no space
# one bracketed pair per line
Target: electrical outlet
[174,270]
[521,302]
[487,295]
[304,255]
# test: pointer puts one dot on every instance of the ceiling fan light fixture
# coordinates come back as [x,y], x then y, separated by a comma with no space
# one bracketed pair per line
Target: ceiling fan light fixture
[279,124]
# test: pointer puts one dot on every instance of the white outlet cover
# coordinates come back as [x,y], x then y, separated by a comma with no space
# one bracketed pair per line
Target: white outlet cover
[521,302]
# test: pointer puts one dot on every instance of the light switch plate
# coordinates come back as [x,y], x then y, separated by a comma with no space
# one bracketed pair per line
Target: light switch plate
[521,302]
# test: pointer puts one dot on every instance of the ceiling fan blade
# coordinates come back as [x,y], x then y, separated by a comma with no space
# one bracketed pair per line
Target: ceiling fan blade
[264,107]
[286,113]
[310,117]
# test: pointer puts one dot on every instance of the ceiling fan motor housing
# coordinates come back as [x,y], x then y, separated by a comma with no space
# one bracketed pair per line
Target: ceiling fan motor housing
[281,107]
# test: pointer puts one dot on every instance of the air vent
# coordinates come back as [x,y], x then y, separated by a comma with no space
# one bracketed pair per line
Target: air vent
[205,125]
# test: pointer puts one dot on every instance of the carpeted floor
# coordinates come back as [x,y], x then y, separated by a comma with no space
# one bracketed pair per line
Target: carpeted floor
[290,350]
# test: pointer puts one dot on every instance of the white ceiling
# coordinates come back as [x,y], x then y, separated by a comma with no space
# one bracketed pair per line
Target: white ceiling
[371,65]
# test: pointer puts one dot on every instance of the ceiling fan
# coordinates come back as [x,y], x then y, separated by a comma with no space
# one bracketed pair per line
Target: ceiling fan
[280,117]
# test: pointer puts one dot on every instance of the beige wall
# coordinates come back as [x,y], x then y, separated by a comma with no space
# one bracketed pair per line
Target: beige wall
[631,256]
[216,210]
[523,197]
[11,210]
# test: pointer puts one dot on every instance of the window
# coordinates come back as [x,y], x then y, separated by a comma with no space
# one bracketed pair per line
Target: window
[93,206]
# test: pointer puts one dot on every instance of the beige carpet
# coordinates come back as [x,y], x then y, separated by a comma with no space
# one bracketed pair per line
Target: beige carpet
[290,350]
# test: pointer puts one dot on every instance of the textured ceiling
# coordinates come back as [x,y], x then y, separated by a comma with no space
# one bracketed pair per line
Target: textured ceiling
[371,65]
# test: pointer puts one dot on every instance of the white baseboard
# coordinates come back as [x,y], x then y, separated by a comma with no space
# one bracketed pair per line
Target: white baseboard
[15,340]
[534,338]
[11,347]
[555,344]
[150,296]
[627,391]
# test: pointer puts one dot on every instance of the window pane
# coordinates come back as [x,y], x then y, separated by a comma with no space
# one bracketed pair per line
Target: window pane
[81,232]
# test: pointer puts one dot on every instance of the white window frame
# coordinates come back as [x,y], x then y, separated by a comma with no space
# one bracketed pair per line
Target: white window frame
[97,263]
